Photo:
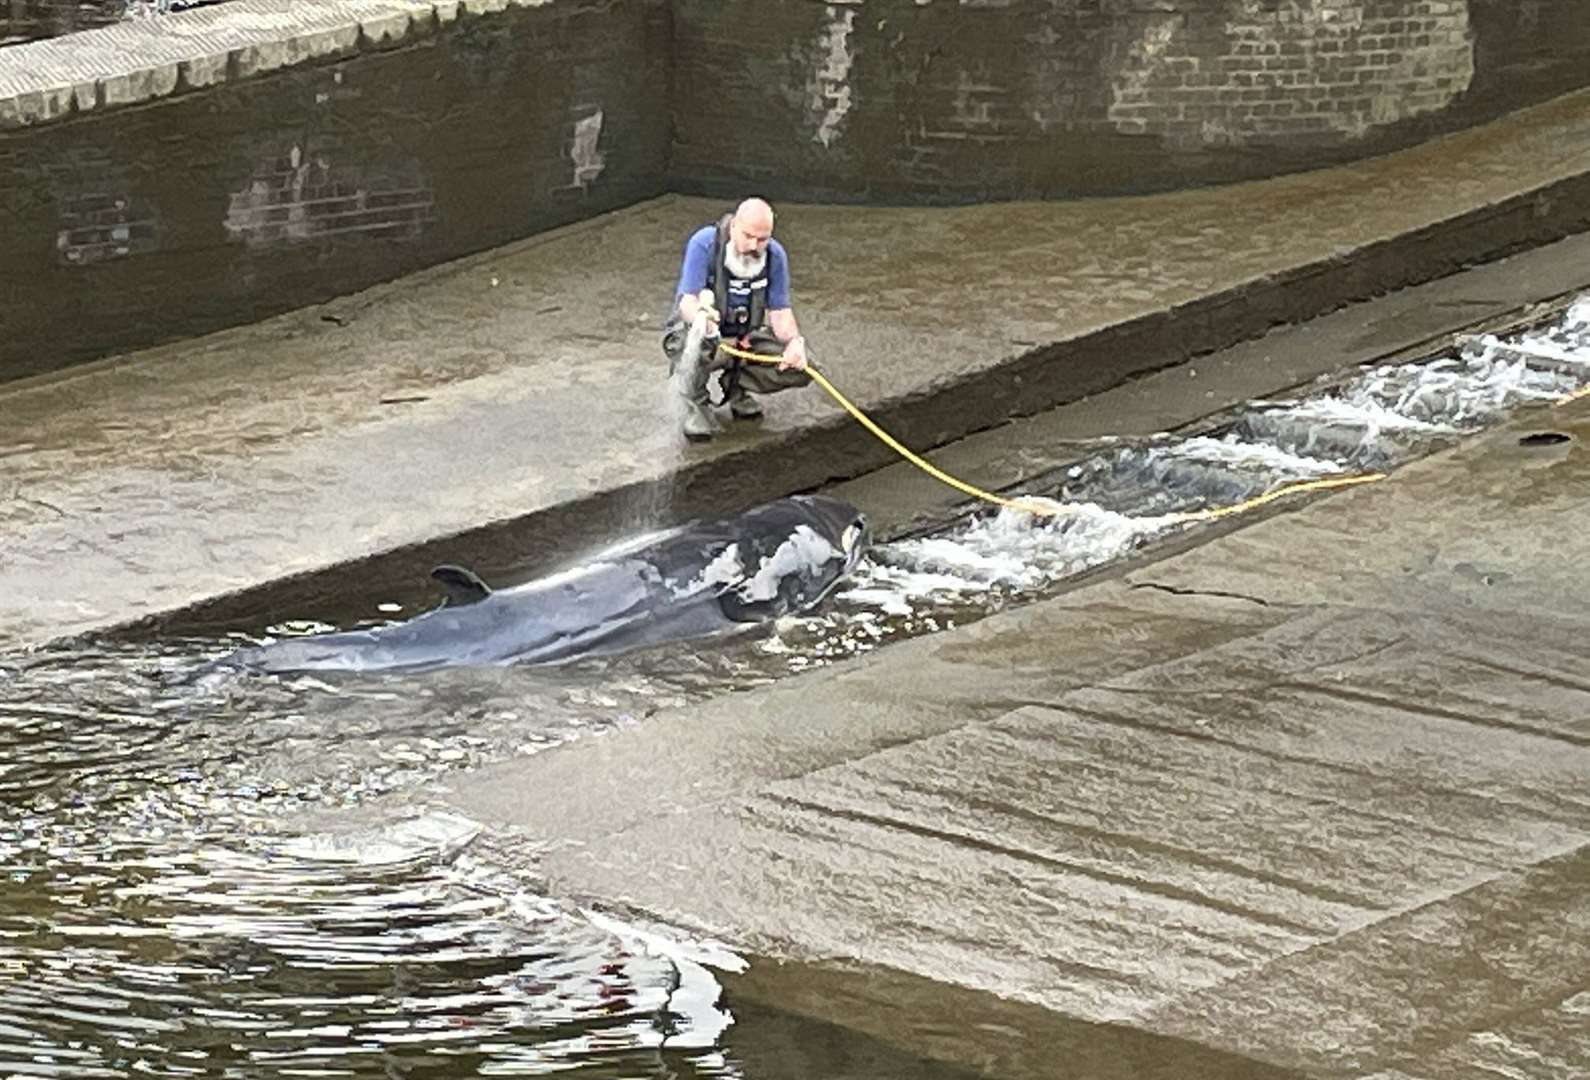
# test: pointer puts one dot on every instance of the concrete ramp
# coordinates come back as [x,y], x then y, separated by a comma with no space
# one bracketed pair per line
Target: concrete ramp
[1319,804]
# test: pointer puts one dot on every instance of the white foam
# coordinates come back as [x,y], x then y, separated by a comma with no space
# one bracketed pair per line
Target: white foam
[1239,454]
[698,1021]
[1578,316]
[1012,550]
[805,551]
[1545,348]
[982,562]
[725,569]
[1358,410]
[1019,551]
[896,591]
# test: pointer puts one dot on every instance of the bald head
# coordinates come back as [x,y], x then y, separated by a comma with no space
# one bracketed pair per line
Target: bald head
[751,228]
[755,211]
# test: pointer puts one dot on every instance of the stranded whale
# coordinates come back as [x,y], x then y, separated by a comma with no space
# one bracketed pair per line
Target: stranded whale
[693,581]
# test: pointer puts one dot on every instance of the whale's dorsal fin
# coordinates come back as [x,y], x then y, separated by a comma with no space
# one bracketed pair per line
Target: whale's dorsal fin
[462,586]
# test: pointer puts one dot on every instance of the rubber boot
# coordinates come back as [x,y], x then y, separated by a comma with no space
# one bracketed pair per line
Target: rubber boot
[690,383]
[743,406]
[698,424]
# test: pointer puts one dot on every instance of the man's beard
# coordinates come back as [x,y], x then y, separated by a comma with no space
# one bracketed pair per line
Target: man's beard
[744,266]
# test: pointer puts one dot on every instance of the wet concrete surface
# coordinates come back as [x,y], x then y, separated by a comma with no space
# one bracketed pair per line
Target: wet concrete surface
[1311,793]
[503,409]
[1305,799]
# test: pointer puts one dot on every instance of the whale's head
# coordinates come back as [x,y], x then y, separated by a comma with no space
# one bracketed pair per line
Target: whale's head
[792,553]
[842,525]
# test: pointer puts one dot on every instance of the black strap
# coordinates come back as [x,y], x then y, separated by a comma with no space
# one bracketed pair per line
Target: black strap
[729,381]
[716,278]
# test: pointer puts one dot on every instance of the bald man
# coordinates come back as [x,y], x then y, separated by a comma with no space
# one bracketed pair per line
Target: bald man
[735,276]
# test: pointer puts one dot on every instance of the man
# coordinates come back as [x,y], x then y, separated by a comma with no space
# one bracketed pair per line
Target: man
[735,278]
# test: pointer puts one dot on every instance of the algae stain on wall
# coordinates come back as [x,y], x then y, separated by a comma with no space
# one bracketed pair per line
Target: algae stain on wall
[319,190]
[589,161]
[1263,69]
[100,217]
[828,90]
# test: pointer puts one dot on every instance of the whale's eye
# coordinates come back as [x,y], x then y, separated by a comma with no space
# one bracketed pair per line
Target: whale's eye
[847,541]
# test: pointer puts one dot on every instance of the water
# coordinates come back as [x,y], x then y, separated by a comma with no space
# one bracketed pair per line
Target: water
[159,916]
[165,909]
[1128,497]
[155,919]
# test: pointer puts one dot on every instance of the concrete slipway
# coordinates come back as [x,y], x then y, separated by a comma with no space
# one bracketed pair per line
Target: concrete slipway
[1311,795]
[1305,799]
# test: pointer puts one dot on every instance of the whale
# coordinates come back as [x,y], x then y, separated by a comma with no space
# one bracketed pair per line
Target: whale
[694,581]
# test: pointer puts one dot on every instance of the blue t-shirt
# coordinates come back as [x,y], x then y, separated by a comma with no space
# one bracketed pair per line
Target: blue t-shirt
[698,257]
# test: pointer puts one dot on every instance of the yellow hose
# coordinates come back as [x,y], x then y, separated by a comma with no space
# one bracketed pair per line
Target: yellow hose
[1047,508]
[1576,395]
[1322,484]
[894,444]
[1043,508]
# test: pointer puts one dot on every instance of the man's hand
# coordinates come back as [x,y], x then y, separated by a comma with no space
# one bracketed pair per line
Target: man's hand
[705,302]
[794,355]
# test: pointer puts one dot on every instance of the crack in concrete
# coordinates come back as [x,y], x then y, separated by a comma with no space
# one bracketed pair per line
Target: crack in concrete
[1179,591]
[41,504]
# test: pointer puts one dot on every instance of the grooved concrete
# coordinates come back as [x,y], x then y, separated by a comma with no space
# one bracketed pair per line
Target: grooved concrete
[144,59]
[1313,793]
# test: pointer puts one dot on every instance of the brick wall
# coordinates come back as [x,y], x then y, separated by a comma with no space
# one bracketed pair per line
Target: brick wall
[1274,70]
[126,227]
[310,193]
[99,217]
[950,100]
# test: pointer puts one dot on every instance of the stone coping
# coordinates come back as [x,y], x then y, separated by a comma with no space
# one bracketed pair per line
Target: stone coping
[143,59]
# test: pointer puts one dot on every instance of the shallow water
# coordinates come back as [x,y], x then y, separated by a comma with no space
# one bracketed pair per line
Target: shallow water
[159,916]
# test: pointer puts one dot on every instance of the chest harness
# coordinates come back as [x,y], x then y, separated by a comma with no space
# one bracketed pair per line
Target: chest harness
[741,302]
